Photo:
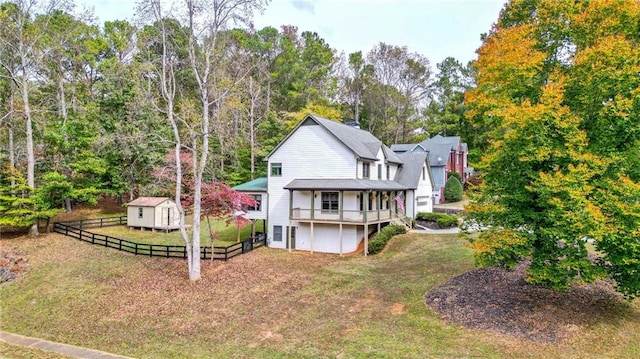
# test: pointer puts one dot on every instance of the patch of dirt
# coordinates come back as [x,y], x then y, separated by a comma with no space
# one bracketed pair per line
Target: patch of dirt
[502,301]
[398,309]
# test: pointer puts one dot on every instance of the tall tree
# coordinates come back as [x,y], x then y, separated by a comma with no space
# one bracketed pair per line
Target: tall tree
[403,82]
[445,113]
[202,115]
[22,37]
[560,104]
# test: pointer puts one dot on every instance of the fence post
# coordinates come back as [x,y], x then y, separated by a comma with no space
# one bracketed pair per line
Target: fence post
[136,248]
[167,248]
[93,238]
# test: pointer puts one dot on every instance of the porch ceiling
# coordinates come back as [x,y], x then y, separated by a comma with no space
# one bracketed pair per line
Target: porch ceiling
[345,184]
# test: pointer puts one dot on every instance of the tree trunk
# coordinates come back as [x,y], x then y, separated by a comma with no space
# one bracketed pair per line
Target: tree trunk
[31,160]
[67,204]
[12,156]
[62,99]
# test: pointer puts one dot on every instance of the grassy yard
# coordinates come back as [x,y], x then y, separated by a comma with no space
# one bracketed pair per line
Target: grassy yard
[227,234]
[268,304]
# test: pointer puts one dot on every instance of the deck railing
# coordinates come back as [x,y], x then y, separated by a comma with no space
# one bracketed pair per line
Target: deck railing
[345,216]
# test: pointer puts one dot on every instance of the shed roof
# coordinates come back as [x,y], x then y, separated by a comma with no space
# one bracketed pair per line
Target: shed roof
[257,185]
[346,184]
[148,201]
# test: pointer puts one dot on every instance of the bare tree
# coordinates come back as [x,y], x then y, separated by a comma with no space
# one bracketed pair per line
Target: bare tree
[21,37]
[205,22]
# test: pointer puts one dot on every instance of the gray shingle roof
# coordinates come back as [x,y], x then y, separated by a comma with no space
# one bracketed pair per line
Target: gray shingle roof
[390,155]
[411,171]
[439,148]
[363,144]
[345,184]
[147,201]
[402,147]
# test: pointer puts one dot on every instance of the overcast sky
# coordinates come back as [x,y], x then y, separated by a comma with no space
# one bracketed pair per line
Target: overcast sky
[433,28]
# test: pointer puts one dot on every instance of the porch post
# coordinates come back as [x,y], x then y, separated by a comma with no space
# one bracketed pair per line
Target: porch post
[366,239]
[341,208]
[290,203]
[311,238]
[365,206]
[340,238]
[289,235]
[378,203]
[313,194]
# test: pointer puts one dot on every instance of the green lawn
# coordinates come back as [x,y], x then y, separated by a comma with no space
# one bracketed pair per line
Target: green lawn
[269,304]
[227,234]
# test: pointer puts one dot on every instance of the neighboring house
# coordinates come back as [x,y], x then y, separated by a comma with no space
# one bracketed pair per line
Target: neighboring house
[331,185]
[258,190]
[153,213]
[446,154]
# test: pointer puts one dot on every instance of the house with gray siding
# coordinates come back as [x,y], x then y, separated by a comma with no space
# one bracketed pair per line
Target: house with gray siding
[446,155]
[330,186]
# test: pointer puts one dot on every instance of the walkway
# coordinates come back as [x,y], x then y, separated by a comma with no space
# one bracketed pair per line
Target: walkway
[453,230]
[70,350]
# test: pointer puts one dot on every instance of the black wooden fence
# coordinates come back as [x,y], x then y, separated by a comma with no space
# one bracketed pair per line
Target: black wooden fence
[76,229]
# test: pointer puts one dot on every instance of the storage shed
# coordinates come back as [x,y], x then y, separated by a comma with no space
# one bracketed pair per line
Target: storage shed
[153,213]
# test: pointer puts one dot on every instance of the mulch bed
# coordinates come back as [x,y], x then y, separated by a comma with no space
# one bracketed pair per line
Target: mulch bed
[502,301]
[431,224]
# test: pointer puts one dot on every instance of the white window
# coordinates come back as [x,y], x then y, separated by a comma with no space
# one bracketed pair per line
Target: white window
[365,170]
[276,169]
[330,202]
[140,212]
[256,207]
[277,233]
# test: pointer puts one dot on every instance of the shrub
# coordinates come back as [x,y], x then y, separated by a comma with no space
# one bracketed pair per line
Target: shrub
[456,175]
[377,243]
[447,221]
[453,190]
[442,220]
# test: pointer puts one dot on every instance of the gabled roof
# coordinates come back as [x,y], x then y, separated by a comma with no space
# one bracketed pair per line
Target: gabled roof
[411,171]
[257,185]
[439,148]
[346,184]
[148,201]
[390,155]
[362,143]
[405,147]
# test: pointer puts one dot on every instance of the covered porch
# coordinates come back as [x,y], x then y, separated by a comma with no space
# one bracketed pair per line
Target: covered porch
[328,206]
